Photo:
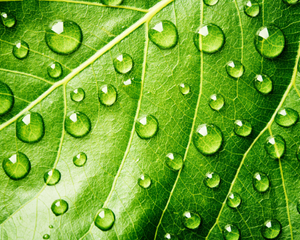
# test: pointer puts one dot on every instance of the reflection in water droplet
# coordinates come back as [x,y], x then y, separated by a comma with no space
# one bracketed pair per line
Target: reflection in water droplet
[105,219]
[216,102]
[252,8]
[208,139]
[54,70]
[191,220]
[132,87]
[261,182]
[123,63]
[231,232]
[77,95]
[209,38]
[174,161]
[291,1]
[211,2]
[30,127]
[144,181]
[275,146]
[6,98]
[269,41]
[63,37]
[263,84]
[80,159]
[46,236]
[170,236]
[107,95]
[235,69]
[184,88]
[212,180]
[77,124]
[242,128]
[234,200]
[16,166]
[146,127]
[52,177]
[20,49]
[8,19]
[286,117]
[164,34]
[59,207]
[271,229]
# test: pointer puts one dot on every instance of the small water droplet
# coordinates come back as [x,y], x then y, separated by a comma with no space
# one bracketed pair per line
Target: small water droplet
[216,102]
[105,219]
[275,146]
[231,232]
[6,98]
[80,159]
[107,95]
[242,128]
[252,8]
[16,166]
[8,19]
[50,226]
[212,180]
[123,63]
[263,84]
[291,1]
[54,70]
[211,2]
[271,229]
[20,49]
[77,95]
[46,236]
[286,117]
[30,127]
[191,220]
[59,207]
[174,161]
[235,69]
[261,182]
[164,34]
[269,41]
[234,200]
[170,236]
[146,127]
[209,38]
[144,181]
[77,124]
[63,37]
[52,177]
[184,88]
[132,87]
[208,139]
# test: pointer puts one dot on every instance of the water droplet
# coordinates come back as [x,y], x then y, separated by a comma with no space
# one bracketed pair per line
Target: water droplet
[105,219]
[30,127]
[231,232]
[8,19]
[174,161]
[77,95]
[269,41]
[209,38]
[59,207]
[20,49]
[63,37]
[252,8]
[184,88]
[271,229]
[291,1]
[275,146]
[261,182]
[123,63]
[211,2]
[164,34]
[144,181]
[54,70]
[146,127]
[80,159]
[208,139]
[16,166]
[242,128]
[170,236]
[212,180]
[235,69]
[286,117]
[234,200]
[52,177]
[216,102]
[46,236]
[6,98]
[263,84]
[77,124]
[191,220]
[107,95]
[50,226]
[132,87]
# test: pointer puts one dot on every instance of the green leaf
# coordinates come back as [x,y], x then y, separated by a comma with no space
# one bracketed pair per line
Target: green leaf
[117,155]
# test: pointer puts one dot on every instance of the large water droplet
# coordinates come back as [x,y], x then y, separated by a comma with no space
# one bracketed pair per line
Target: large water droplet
[20,49]
[164,34]
[107,95]
[170,236]
[146,127]
[291,1]
[234,200]
[123,63]
[77,95]
[8,19]
[174,161]
[16,166]
[191,220]
[261,182]
[231,232]
[63,37]
[252,8]
[263,84]
[46,236]
[54,70]
[144,181]
[286,117]
[275,146]
[30,127]
[59,207]
[235,69]
[271,229]
[105,219]
[132,87]
[80,159]
[208,139]
[242,128]
[209,38]
[77,124]
[6,98]
[52,177]
[269,41]
[212,180]
[184,88]
[216,102]
[211,2]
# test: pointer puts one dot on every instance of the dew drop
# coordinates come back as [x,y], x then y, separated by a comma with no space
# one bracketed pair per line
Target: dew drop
[77,124]
[52,177]
[105,219]
[263,84]
[231,232]
[59,207]
[209,38]
[269,41]
[107,95]
[164,34]
[298,153]
[46,236]
[77,95]
[146,127]
[63,37]
[184,88]
[275,146]
[242,128]
[54,70]
[50,226]
[6,98]
[174,161]
[191,220]
[16,166]
[216,102]
[30,127]
[212,180]
[123,63]
[235,69]
[211,2]
[252,8]
[170,236]
[291,1]
[132,87]
[20,49]
[208,139]
[261,182]
[271,229]
[80,159]
[144,181]
[8,19]
[234,200]
[286,117]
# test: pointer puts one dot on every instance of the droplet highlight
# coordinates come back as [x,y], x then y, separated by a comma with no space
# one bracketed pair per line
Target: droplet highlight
[54,70]
[59,207]
[8,19]
[275,146]
[216,102]
[123,63]
[231,232]
[146,127]
[16,166]
[174,161]
[80,159]
[107,95]
[20,49]
[286,117]
[212,180]
[261,182]
[235,69]
[52,177]
[263,84]
[105,219]
[144,181]
[252,8]
[242,128]
[184,88]
[234,200]
[170,236]
[132,87]
[6,98]
[191,220]
[271,229]
[77,95]
[77,124]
